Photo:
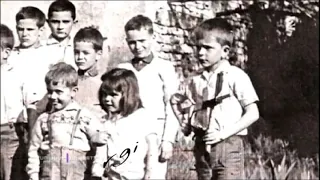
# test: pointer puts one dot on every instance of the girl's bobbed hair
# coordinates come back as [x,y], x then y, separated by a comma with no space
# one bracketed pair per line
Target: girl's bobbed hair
[125,82]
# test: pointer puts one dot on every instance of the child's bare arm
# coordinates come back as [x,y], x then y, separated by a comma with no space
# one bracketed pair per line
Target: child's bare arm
[33,165]
[251,114]
[247,97]
[152,156]
[98,162]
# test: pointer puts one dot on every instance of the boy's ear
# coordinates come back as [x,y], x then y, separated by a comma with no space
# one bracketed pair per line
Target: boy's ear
[75,21]
[226,50]
[6,53]
[74,90]
[99,55]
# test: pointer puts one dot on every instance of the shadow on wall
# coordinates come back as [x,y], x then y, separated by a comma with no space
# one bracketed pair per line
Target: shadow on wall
[286,77]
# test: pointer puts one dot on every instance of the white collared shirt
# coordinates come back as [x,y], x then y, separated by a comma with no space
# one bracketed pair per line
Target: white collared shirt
[11,97]
[31,66]
[236,83]
[60,51]
[158,81]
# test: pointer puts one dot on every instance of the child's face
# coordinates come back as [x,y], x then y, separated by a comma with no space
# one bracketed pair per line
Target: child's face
[85,55]
[28,32]
[60,95]
[139,42]
[60,23]
[209,51]
[5,52]
[112,102]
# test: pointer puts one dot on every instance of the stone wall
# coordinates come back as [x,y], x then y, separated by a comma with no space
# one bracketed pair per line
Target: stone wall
[175,22]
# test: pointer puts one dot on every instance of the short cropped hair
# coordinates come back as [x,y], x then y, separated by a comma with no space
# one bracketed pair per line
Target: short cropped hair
[138,22]
[125,82]
[7,38]
[30,12]
[62,5]
[219,28]
[62,73]
[90,35]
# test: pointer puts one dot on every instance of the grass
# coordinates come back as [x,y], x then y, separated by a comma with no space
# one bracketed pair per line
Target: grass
[266,158]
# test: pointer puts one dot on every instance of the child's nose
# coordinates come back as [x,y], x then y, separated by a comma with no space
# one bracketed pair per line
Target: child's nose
[53,96]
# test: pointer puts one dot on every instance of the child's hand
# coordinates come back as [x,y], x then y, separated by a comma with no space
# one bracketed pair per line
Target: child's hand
[45,144]
[166,151]
[34,176]
[100,137]
[212,137]
[186,128]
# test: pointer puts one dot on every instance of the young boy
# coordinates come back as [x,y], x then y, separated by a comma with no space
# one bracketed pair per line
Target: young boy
[28,60]
[61,18]
[68,127]
[30,54]
[224,102]
[11,105]
[157,83]
[88,44]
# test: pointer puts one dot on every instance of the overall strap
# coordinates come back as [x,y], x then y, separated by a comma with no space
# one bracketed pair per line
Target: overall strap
[74,128]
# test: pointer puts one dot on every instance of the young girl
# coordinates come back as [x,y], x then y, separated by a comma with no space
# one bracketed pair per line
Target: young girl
[129,143]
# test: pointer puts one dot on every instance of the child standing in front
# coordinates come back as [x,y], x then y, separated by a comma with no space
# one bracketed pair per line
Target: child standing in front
[12,162]
[119,97]
[223,105]
[68,126]
[88,43]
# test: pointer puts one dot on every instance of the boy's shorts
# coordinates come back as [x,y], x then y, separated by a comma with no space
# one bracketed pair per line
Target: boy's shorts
[13,154]
[63,163]
[225,161]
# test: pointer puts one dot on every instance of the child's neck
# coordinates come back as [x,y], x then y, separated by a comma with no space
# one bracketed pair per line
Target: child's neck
[214,67]
[114,116]
[62,41]
[92,71]
[35,45]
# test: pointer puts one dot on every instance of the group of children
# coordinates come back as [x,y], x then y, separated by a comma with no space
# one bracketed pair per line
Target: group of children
[63,117]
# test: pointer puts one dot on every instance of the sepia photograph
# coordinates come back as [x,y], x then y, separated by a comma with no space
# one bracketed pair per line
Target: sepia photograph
[159,90]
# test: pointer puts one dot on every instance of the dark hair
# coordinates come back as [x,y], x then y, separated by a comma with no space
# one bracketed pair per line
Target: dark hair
[91,35]
[138,22]
[218,27]
[62,5]
[62,72]
[125,82]
[7,38]
[30,12]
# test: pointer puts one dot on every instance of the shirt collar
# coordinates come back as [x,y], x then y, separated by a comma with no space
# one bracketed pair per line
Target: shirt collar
[6,67]
[223,67]
[19,48]
[92,72]
[147,59]
[72,106]
[67,42]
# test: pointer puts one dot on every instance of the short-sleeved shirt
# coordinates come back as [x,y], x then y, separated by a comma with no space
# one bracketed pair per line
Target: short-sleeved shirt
[236,83]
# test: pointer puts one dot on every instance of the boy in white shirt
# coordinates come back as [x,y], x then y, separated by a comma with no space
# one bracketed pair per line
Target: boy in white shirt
[11,105]
[157,83]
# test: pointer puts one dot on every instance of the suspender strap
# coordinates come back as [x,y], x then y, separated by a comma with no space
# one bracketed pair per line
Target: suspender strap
[74,128]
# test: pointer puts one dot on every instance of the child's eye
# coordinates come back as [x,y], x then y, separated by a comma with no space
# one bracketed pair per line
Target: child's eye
[66,22]
[54,21]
